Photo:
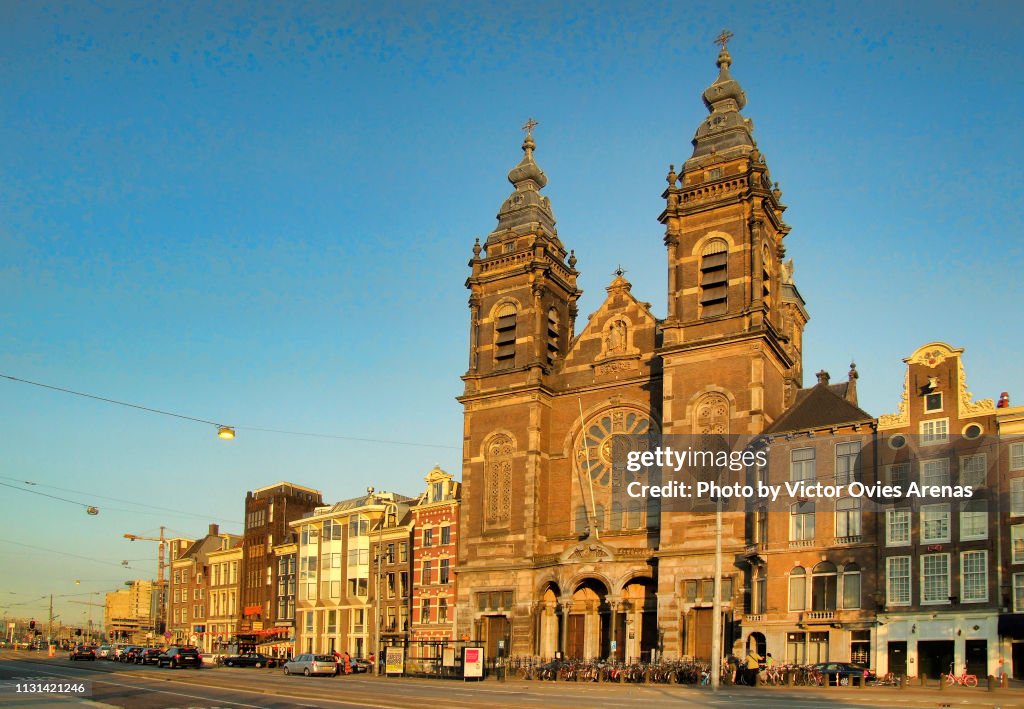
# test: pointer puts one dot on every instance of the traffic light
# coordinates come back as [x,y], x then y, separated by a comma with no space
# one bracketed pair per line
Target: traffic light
[31,625]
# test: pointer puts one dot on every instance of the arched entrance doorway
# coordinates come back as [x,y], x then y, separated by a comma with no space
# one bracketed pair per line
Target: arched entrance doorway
[757,643]
[587,625]
[635,622]
[549,622]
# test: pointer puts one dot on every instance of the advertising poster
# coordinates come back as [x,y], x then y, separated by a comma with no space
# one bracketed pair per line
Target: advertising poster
[394,660]
[473,664]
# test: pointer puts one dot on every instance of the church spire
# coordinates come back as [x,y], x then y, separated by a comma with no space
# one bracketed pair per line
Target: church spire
[726,129]
[526,204]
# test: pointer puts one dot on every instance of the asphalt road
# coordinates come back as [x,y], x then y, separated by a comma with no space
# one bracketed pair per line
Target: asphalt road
[115,685]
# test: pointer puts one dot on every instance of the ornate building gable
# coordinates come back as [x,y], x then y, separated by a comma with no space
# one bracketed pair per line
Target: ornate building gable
[619,339]
[925,368]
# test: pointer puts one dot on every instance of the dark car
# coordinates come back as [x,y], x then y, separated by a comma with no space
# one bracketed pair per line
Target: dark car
[361,665]
[250,659]
[148,656]
[82,652]
[844,671]
[180,656]
[129,653]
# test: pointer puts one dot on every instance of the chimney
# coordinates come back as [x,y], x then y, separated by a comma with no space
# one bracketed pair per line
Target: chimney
[1004,400]
[823,377]
[214,530]
[851,388]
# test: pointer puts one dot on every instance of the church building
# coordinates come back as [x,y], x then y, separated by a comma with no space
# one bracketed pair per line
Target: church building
[550,560]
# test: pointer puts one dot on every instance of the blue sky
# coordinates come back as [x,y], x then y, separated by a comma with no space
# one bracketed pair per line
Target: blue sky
[261,215]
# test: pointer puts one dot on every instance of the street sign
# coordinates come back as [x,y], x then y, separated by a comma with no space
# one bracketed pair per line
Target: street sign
[167,635]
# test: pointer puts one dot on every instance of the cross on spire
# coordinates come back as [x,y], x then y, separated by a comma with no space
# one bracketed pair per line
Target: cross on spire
[530,125]
[620,271]
[723,38]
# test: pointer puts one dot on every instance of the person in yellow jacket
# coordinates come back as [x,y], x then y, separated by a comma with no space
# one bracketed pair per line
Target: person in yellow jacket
[753,666]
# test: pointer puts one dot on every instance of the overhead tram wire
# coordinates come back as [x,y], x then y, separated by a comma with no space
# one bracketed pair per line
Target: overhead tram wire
[63,553]
[221,426]
[127,502]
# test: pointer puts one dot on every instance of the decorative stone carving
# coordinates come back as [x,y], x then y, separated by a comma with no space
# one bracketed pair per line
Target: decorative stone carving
[711,414]
[968,407]
[902,415]
[498,481]
[588,550]
[615,366]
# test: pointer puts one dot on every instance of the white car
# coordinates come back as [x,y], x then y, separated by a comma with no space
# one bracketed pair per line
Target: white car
[310,664]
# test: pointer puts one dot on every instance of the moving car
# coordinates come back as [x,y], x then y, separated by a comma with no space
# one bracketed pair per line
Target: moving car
[180,656]
[81,652]
[129,652]
[309,664]
[103,652]
[845,670]
[250,659]
[148,656]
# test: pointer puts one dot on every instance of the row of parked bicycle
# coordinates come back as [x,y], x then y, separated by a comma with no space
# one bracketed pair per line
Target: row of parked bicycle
[699,673]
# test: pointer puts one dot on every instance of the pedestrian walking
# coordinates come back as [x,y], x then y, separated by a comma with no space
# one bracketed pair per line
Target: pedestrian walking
[753,667]
[348,663]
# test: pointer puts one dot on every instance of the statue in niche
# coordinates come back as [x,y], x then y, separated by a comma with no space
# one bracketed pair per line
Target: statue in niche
[615,340]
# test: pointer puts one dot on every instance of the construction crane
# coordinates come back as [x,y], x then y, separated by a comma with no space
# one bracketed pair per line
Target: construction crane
[160,605]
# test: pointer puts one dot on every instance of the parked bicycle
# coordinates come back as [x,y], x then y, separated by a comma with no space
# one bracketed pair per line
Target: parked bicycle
[964,680]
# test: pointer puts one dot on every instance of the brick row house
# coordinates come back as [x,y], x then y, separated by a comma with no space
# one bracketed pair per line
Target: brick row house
[435,526]
[188,605]
[269,512]
[224,586]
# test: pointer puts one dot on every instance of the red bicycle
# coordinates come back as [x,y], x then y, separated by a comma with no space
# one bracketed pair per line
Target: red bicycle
[964,680]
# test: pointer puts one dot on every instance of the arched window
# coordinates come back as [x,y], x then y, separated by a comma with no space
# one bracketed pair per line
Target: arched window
[582,525]
[714,278]
[711,414]
[823,587]
[851,586]
[505,336]
[798,589]
[847,518]
[552,335]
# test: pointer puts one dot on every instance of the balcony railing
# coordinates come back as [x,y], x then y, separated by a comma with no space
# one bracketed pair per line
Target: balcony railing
[851,539]
[819,616]
[753,617]
[800,543]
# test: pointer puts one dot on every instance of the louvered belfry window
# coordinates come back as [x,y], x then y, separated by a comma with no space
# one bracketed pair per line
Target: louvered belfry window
[505,336]
[714,278]
[552,335]
[766,277]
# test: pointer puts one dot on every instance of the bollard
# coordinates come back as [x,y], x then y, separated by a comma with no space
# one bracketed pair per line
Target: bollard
[647,675]
[600,675]
[790,678]
[622,676]
[942,681]
[991,683]
[903,681]
[923,680]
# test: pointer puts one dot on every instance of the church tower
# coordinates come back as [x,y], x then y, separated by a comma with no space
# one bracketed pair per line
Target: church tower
[731,297]
[731,348]
[523,289]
